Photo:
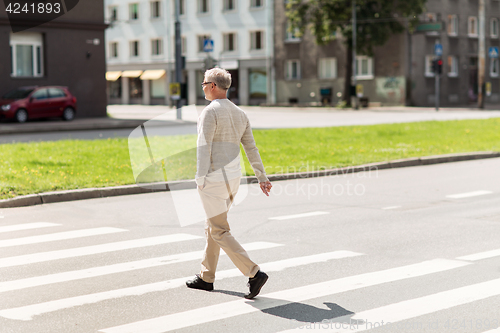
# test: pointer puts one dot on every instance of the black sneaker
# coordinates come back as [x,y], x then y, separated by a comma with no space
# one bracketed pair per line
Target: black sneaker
[198,283]
[255,284]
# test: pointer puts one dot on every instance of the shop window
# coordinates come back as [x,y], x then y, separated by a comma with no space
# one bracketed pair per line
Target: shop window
[135,87]
[258,83]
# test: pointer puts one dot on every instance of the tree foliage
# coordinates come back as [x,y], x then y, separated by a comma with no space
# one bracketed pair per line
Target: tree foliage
[377,19]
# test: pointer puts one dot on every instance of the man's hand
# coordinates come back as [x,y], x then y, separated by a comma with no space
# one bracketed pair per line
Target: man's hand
[201,186]
[266,187]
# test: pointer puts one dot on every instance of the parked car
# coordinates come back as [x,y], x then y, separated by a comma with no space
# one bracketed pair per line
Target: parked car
[26,103]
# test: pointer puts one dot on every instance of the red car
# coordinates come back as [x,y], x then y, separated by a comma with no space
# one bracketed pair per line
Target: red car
[38,102]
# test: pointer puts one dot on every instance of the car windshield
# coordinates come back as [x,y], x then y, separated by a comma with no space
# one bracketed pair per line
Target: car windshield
[17,94]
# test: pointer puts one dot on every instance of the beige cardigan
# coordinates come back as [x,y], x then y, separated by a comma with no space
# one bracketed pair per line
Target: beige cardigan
[222,126]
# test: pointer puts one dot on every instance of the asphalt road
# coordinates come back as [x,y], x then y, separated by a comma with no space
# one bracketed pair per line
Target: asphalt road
[417,247]
[260,118]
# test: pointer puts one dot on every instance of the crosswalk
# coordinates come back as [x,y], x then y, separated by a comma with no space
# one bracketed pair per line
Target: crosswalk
[382,315]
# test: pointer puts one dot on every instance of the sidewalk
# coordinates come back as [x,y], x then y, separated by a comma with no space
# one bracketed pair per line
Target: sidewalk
[50,125]
[132,116]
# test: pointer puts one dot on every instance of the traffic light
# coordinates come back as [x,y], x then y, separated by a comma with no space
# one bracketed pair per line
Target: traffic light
[437,66]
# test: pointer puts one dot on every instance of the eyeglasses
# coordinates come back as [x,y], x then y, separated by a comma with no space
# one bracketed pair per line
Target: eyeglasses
[204,83]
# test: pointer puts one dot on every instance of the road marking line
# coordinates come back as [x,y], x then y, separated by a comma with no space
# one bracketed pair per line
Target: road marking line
[116,268]
[468,194]
[481,255]
[27,226]
[493,331]
[240,307]
[94,249]
[287,217]
[405,310]
[28,312]
[59,236]
[391,207]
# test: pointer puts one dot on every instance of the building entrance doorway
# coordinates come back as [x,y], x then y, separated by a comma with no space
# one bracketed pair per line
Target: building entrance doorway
[233,93]
[473,86]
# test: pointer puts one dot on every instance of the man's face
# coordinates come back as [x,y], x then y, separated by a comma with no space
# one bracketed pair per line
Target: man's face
[207,89]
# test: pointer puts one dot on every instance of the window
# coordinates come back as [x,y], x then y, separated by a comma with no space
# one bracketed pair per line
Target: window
[135,87]
[115,89]
[26,50]
[452,66]
[292,70]
[364,67]
[201,41]
[256,3]
[156,47]
[494,70]
[473,26]
[183,45]
[155,9]
[494,28]
[257,40]
[428,65]
[229,5]
[113,50]
[113,13]
[182,4]
[134,11]
[291,35]
[229,42]
[327,68]
[203,6]
[134,48]
[452,25]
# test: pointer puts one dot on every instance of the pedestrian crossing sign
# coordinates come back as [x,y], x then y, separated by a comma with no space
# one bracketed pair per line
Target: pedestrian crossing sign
[493,52]
[208,45]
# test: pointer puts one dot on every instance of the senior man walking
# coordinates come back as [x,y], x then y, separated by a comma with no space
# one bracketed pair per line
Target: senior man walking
[222,126]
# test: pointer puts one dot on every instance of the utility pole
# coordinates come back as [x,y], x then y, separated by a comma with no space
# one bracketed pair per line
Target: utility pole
[437,65]
[354,28]
[436,88]
[178,54]
[482,56]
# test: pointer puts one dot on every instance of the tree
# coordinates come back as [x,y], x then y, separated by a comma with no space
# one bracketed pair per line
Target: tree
[377,21]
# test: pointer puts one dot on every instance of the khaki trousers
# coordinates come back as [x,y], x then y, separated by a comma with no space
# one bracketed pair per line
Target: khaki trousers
[216,202]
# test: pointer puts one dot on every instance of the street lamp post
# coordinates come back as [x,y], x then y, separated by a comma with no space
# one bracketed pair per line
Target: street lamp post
[354,28]
[482,56]
[178,54]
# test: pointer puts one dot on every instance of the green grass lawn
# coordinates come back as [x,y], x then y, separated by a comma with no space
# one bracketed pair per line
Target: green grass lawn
[27,168]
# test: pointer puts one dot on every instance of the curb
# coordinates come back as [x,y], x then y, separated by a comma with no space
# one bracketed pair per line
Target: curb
[104,192]
[82,124]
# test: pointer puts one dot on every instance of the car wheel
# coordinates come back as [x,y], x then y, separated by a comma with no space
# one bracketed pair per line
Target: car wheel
[21,116]
[68,114]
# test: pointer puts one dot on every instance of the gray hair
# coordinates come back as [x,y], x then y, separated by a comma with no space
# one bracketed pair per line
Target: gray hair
[220,77]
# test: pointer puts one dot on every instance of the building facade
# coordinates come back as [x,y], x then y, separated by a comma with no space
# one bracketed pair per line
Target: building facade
[67,51]
[141,48]
[400,72]
[460,40]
